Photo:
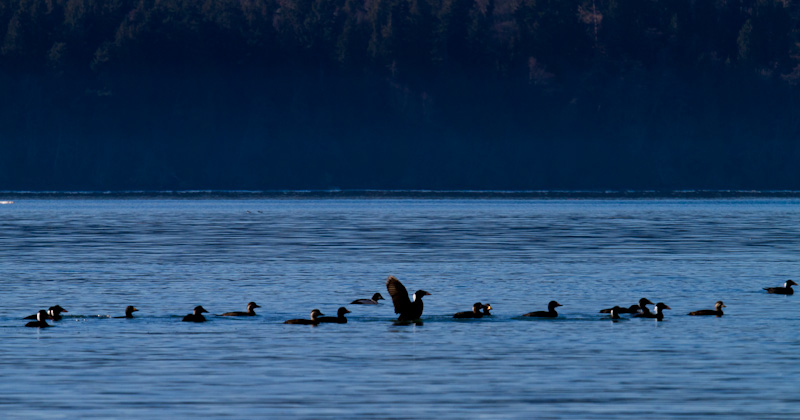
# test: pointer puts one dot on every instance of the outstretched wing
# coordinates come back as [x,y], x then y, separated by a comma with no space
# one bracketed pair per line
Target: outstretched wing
[398,293]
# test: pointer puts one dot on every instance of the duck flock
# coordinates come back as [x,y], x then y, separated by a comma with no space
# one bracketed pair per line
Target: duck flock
[410,309]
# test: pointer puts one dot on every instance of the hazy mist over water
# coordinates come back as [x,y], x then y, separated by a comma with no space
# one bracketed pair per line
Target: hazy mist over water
[94,256]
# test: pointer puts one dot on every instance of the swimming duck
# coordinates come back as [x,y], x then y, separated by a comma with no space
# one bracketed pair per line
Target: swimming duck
[129,310]
[374,301]
[486,308]
[716,311]
[620,310]
[338,319]
[250,311]
[785,290]
[633,309]
[615,312]
[659,315]
[409,309]
[315,314]
[53,312]
[40,322]
[549,313]
[474,313]
[196,315]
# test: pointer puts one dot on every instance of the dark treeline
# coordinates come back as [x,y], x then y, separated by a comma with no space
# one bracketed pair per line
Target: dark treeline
[399,94]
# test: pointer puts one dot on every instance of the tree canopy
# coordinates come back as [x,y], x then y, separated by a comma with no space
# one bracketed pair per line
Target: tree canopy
[406,38]
[490,94]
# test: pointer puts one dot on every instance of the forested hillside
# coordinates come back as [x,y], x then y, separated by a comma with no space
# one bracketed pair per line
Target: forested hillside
[399,94]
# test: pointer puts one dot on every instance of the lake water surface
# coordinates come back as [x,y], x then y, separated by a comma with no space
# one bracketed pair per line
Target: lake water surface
[94,256]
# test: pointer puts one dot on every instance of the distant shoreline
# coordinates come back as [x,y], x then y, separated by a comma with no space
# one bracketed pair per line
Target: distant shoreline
[400,194]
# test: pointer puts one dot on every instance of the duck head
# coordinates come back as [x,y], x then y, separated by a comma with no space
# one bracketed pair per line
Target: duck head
[419,294]
[41,316]
[661,306]
[315,314]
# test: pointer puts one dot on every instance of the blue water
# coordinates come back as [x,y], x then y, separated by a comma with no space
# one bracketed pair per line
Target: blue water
[95,256]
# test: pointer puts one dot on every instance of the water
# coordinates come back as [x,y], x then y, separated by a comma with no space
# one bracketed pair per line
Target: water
[95,256]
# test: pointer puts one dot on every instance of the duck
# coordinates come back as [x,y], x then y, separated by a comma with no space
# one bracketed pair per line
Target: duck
[315,314]
[196,315]
[615,312]
[486,308]
[643,309]
[785,290]
[409,309]
[374,301]
[129,310]
[40,322]
[549,313]
[250,311]
[659,315]
[338,319]
[474,313]
[716,311]
[620,310]
[53,312]
[633,309]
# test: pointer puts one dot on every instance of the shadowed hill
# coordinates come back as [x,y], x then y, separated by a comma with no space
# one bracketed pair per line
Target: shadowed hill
[398,94]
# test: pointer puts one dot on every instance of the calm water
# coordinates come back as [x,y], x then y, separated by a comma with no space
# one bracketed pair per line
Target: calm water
[95,256]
